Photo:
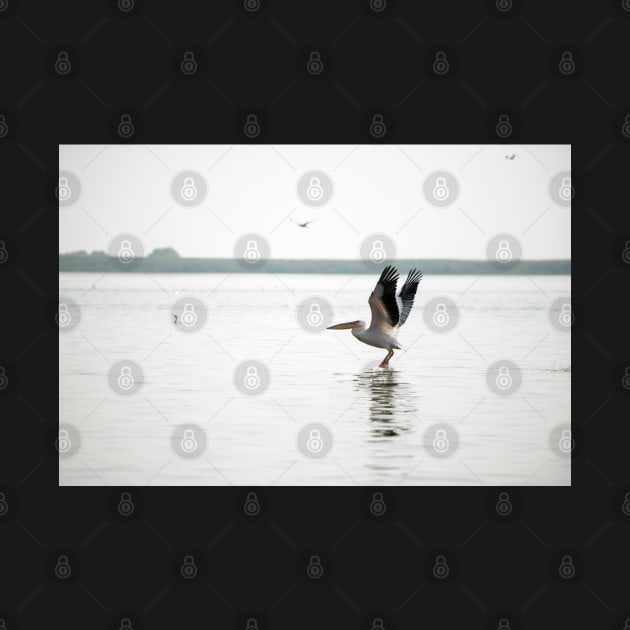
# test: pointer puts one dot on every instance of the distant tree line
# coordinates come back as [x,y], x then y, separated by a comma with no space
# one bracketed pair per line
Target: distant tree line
[167,260]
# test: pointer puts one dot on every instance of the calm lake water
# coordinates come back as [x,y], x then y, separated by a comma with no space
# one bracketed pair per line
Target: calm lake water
[315,410]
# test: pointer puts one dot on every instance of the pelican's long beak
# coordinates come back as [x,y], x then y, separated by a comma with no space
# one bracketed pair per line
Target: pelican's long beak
[345,326]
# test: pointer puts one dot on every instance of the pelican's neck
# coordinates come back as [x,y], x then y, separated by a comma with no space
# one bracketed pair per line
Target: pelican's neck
[359,330]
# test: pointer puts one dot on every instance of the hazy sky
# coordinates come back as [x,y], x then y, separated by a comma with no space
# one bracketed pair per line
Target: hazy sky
[377,189]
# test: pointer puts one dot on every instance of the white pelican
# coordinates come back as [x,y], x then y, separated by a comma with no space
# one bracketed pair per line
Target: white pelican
[389,312]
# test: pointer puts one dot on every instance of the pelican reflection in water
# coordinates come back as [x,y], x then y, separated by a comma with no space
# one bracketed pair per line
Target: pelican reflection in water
[390,402]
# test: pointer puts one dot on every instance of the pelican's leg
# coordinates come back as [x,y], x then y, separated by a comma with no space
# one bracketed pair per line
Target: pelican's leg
[385,361]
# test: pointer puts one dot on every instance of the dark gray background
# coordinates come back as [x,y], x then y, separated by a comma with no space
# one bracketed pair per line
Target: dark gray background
[255,63]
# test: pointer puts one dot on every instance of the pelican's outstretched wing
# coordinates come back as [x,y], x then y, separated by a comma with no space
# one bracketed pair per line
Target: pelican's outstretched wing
[382,301]
[408,293]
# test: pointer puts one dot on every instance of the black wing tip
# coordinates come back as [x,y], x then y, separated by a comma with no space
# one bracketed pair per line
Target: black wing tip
[389,273]
[415,275]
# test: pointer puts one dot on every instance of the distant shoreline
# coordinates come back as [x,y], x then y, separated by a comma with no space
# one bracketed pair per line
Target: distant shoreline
[101,263]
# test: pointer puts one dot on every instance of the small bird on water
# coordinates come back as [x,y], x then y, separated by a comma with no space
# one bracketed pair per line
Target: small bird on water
[389,312]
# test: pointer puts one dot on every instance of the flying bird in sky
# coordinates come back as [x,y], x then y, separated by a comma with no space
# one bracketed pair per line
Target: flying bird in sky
[389,312]
[304,224]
